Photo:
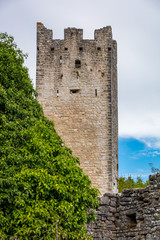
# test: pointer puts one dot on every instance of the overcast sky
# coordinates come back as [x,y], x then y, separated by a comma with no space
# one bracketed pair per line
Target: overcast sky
[136,27]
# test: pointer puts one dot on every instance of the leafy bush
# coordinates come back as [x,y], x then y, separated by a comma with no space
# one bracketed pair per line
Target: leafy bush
[44,194]
[125,183]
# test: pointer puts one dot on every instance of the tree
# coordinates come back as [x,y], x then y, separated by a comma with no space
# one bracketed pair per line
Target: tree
[153,169]
[126,183]
[44,194]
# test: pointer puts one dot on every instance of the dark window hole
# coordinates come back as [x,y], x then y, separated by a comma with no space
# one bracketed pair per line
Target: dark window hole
[109,49]
[66,49]
[52,49]
[98,48]
[131,220]
[96,92]
[80,49]
[74,91]
[77,64]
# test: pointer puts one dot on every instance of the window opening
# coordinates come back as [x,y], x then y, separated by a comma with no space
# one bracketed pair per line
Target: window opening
[74,91]
[60,59]
[65,49]
[80,49]
[77,75]
[109,49]
[98,48]
[102,74]
[96,92]
[57,93]
[131,219]
[37,48]
[52,49]
[77,64]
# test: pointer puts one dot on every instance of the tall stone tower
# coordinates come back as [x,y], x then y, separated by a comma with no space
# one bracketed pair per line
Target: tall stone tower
[77,87]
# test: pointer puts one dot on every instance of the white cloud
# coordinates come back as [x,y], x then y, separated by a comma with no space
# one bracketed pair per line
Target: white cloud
[153,142]
[144,176]
[135,26]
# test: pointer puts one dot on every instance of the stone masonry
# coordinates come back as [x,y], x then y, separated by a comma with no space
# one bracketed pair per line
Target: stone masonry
[132,215]
[77,87]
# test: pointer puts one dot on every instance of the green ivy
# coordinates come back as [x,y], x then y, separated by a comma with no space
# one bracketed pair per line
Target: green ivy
[44,194]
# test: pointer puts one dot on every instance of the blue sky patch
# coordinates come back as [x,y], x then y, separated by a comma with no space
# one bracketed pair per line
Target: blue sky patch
[135,158]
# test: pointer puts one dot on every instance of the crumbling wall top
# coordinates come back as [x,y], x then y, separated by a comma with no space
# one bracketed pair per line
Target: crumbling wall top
[75,33]
[43,34]
[70,33]
[100,34]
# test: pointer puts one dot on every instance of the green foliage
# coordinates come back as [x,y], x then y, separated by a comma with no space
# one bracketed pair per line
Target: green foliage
[153,169]
[126,183]
[44,194]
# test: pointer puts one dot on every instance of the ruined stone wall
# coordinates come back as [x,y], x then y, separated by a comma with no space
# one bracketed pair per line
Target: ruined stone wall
[132,215]
[77,86]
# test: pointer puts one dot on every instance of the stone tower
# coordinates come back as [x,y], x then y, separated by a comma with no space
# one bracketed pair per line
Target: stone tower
[77,87]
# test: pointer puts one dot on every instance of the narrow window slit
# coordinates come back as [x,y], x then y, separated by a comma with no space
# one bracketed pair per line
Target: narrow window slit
[77,75]
[60,60]
[52,49]
[57,93]
[96,92]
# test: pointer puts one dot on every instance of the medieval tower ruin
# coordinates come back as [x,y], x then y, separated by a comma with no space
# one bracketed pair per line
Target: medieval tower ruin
[77,87]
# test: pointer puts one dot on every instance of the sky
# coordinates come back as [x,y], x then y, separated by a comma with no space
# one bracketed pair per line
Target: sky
[136,27]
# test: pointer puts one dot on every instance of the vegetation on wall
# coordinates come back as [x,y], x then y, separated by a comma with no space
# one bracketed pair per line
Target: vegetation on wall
[44,194]
[154,169]
[125,183]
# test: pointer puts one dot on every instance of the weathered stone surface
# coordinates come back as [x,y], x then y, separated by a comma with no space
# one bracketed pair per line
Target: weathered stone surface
[77,87]
[76,81]
[136,214]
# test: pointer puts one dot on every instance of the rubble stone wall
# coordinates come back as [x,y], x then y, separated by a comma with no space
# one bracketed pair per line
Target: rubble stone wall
[132,215]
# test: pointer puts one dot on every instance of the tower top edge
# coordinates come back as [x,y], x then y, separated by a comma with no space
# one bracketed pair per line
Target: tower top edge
[73,32]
